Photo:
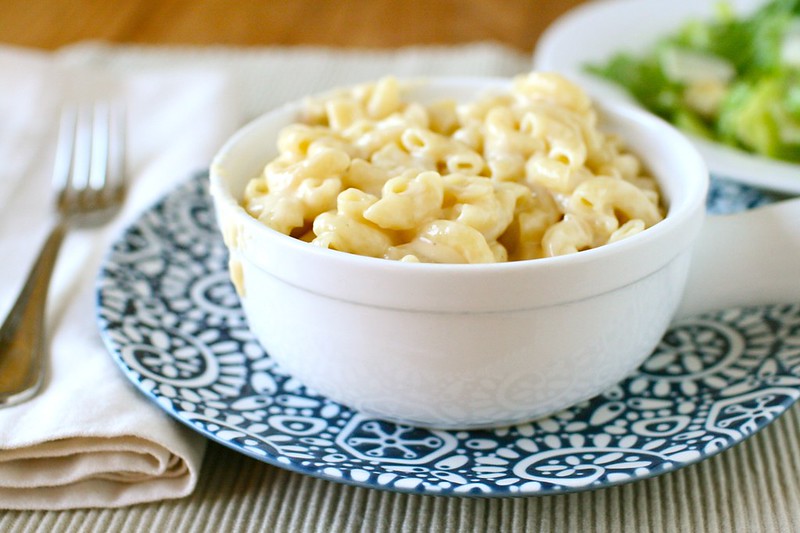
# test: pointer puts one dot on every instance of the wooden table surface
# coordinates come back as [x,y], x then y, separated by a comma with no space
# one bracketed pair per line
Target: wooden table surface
[49,24]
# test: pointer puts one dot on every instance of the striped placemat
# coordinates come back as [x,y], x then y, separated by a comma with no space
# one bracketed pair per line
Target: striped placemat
[752,487]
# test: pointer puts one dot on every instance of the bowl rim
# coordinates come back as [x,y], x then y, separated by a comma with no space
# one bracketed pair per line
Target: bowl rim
[686,204]
[632,25]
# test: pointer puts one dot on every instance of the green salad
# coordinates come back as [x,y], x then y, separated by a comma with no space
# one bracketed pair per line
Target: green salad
[732,79]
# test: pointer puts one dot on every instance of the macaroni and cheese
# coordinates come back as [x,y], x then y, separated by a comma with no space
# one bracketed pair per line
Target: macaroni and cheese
[519,175]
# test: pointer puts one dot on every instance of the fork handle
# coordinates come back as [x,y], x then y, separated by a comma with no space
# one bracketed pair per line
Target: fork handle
[22,335]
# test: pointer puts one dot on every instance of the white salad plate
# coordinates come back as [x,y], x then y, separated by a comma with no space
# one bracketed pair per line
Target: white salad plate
[172,322]
[595,31]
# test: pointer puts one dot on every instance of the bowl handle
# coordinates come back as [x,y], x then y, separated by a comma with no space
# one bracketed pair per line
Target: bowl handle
[748,258]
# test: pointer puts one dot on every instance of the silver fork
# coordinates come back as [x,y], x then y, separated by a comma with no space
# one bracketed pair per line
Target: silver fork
[89,180]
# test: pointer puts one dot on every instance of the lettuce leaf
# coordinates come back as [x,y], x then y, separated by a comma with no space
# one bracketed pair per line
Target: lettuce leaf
[761,110]
[761,116]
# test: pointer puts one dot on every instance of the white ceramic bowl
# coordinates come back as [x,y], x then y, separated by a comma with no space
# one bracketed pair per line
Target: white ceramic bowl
[463,346]
[593,32]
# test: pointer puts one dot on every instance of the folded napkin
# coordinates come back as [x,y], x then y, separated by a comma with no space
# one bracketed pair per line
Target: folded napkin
[89,439]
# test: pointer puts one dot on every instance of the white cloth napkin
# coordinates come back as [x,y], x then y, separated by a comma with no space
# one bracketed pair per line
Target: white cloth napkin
[89,439]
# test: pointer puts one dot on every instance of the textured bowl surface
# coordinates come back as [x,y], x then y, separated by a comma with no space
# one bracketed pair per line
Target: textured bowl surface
[461,346]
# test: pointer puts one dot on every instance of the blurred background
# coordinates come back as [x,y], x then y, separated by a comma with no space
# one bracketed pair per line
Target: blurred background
[50,24]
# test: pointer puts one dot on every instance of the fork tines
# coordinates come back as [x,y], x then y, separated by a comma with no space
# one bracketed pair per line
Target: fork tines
[89,164]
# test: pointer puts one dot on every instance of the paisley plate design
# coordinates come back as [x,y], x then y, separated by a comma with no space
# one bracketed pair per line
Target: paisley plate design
[172,321]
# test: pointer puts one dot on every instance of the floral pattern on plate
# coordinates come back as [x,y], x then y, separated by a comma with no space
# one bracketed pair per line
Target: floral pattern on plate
[172,321]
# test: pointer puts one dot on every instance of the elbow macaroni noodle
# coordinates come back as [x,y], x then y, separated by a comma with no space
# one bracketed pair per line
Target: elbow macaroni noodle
[521,175]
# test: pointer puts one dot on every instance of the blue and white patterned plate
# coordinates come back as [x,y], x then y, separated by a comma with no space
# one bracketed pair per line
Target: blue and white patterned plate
[173,323]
